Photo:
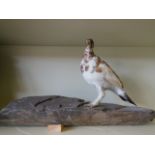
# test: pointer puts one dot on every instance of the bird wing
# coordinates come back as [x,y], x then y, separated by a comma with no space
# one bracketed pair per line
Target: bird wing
[110,76]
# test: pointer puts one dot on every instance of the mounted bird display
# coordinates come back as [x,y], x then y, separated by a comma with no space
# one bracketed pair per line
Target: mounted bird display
[98,73]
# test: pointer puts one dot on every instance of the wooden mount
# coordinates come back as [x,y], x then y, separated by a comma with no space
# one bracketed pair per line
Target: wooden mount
[47,110]
[55,128]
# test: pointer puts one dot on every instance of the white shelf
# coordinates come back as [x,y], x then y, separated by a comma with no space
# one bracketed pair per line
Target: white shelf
[148,129]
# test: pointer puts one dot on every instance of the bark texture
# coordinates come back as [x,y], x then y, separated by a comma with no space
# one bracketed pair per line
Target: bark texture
[45,110]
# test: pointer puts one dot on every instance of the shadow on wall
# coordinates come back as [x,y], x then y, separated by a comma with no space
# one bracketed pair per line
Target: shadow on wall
[8,80]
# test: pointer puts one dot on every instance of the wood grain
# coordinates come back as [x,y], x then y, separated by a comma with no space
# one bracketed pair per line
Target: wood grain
[46,110]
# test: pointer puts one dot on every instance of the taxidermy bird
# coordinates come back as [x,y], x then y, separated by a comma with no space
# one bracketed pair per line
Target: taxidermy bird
[97,72]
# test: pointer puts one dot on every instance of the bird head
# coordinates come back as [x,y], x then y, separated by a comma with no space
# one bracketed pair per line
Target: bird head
[90,43]
[89,48]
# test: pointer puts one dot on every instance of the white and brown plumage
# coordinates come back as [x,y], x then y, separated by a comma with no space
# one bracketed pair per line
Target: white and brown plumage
[97,72]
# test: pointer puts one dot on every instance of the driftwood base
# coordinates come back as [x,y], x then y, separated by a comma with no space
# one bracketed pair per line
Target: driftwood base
[47,110]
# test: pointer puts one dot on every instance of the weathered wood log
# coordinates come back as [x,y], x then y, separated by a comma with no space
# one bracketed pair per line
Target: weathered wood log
[45,110]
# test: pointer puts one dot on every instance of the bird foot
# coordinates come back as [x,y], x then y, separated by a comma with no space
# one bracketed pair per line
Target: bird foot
[83,104]
[87,104]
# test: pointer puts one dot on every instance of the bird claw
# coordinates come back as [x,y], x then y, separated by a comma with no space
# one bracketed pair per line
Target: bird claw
[83,104]
[87,104]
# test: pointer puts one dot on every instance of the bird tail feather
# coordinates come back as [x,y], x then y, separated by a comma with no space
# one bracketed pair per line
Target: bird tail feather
[125,97]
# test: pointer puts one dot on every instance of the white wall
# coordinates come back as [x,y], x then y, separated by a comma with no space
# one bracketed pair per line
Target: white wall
[47,70]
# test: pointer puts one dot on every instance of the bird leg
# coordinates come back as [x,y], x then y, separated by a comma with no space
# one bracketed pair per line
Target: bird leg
[98,99]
